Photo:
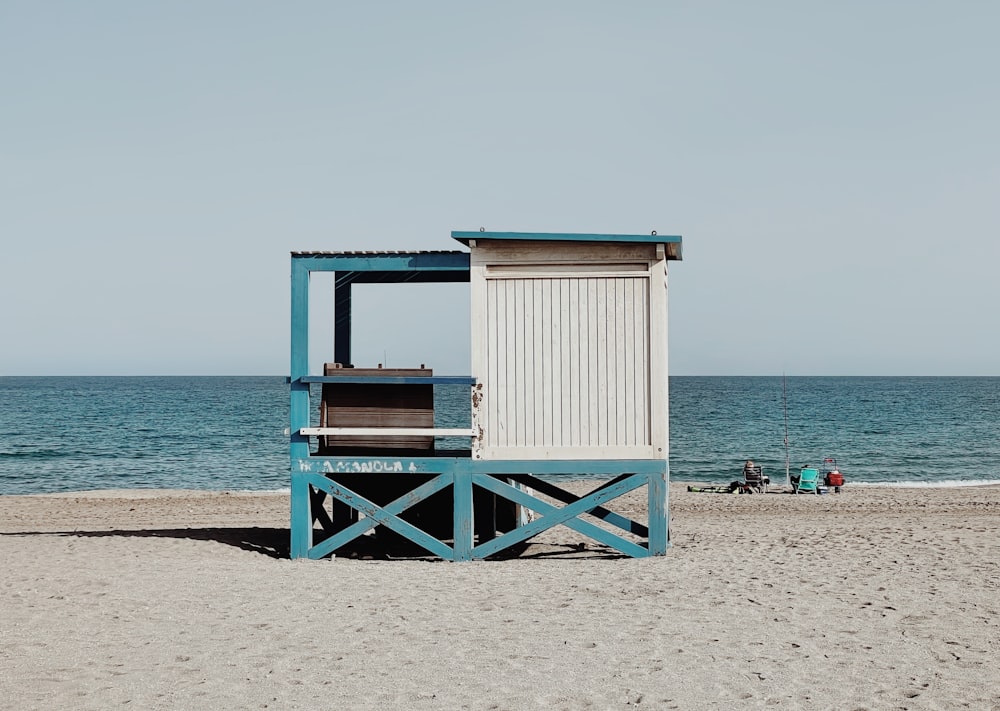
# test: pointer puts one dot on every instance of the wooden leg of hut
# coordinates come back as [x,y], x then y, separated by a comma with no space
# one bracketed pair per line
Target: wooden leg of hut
[301,517]
[463,522]
[657,490]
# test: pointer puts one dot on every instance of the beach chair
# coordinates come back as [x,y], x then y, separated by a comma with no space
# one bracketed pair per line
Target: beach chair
[806,481]
[754,479]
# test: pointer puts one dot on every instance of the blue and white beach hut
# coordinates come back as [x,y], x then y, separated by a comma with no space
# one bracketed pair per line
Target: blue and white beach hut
[569,361]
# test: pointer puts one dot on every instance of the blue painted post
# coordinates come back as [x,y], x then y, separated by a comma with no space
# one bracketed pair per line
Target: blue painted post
[657,491]
[463,522]
[301,516]
[300,513]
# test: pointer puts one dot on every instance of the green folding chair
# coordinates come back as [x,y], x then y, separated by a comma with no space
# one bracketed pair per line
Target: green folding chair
[806,481]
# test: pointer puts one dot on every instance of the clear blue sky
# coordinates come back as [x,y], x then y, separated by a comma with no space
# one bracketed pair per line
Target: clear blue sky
[834,169]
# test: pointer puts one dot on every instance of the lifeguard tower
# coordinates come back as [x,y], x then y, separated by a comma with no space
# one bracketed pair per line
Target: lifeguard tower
[569,377]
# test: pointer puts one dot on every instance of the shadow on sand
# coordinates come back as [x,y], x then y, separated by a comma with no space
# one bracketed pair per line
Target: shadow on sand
[274,543]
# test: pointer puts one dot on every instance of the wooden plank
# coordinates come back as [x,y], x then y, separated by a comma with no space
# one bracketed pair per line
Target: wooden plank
[566,354]
[586,356]
[658,377]
[479,304]
[545,399]
[538,363]
[462,532]
[574,453]
[601,394]
[629,358]
[582,237]
[494,253]
[659,509]
[389,431]
[574,404]
[498,352]
[508,423]
[621,350]
[521,395]
[351,405]
[344,375]
[526,272]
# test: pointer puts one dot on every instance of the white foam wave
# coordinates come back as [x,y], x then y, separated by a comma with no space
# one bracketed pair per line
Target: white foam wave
[944,484]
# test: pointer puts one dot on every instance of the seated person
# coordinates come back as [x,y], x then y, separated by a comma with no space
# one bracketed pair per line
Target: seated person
[753,472]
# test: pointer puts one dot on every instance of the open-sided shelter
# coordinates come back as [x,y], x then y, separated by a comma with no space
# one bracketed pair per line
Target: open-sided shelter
[569,377]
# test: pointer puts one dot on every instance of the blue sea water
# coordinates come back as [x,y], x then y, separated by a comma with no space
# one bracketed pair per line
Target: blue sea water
[80,433]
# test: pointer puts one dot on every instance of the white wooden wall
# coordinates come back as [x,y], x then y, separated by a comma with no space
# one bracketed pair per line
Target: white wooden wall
[569,345]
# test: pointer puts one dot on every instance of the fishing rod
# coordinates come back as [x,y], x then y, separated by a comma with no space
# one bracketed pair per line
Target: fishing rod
[784,398]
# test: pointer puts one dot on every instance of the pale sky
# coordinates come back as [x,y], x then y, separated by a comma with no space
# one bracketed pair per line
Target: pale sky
[834,169]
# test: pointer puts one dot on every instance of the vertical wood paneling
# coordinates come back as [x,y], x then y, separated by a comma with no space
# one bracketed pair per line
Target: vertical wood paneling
[566,355]
[568,362]
[536,318]
[509,424]
[497,388]
[593,438]
[601,394]
[573,370]
[521,396]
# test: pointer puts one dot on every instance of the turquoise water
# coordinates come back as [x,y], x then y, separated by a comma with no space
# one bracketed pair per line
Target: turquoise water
[78,433]
[923,431]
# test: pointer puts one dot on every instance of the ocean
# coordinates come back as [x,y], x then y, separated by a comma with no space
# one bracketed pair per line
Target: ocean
[230,433]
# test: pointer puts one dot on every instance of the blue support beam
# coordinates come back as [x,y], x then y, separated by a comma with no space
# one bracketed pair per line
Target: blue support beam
[659,511]
[383,262]
[301,516]
[463,523]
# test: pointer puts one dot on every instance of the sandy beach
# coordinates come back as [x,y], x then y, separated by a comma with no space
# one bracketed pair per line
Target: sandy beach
[876,598]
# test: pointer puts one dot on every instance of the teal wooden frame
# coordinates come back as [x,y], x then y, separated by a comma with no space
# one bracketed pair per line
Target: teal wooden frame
[311,485]
[313,477]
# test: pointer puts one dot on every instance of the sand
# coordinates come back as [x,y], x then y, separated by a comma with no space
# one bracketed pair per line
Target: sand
[871,599]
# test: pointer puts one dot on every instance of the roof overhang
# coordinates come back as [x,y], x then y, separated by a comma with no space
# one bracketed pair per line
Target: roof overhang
[671,243]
